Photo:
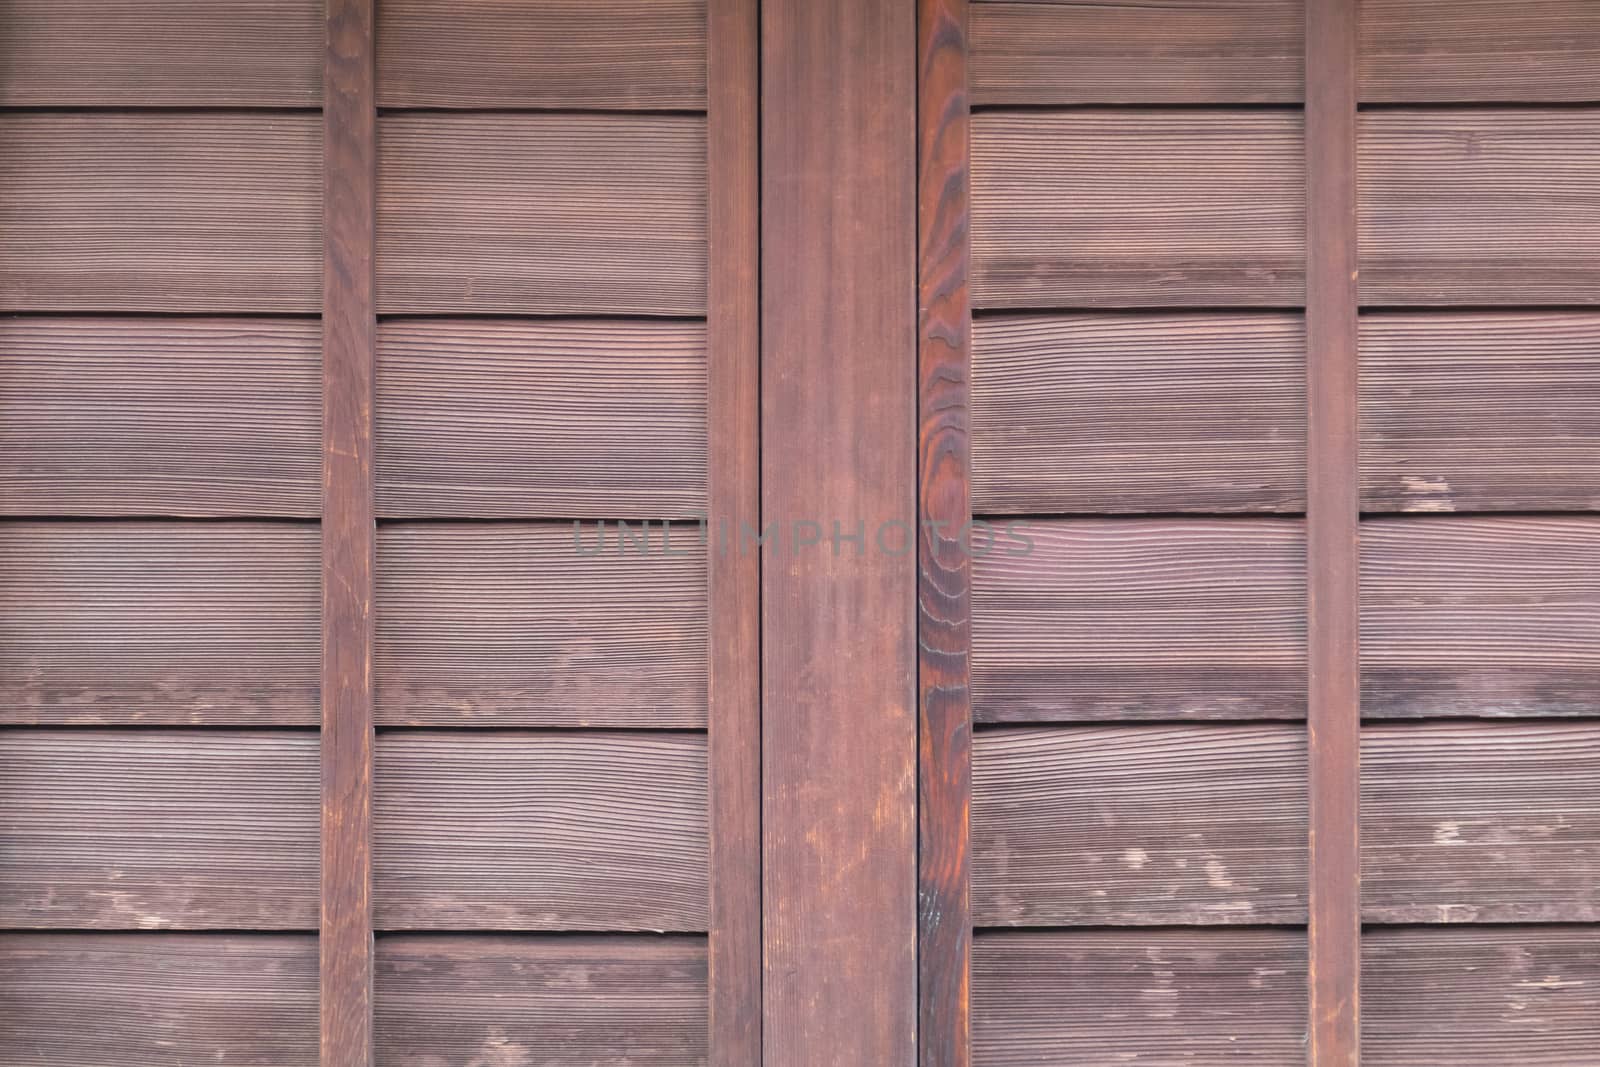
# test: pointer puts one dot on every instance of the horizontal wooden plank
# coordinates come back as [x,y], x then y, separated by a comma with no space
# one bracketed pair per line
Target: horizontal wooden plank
[1165,52]
[541,831]
[160,416]
[160,212]
[1480,615]
[1480,822]
[1122,413]
[1128,209]
[1160,997]
[159,623]
[491,1000]
[502,625]
[1470,411]
[1140,619]
[1141,824]
[120,829]
[525,213]
[1480,996]
[543,53]
[158,999]
[1446,51]
[601,419]
[1485,206]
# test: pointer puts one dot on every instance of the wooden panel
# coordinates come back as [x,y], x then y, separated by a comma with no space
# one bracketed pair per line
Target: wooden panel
[563,419]
[513,625]
[543,53]
[159,212]
[1149,208]
[1082,413]
[492,1000]
[1480,411]
[543,831]
[1140,619]
[1480,996]
[154,1000]
[109,416]
[1480,207]
[1131,825]
[1159,997]
[1480,822]
[147,829]
[1166,52]
[1480,616]
[542,213]
[169,53]
[170,623]
[1421,51]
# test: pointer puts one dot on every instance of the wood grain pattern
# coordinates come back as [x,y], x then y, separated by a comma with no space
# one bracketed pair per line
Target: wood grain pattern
[154,1000]
[1166,52]
[1480,616]
[1456,51]
[561,419]
[628,54]
[1159,997]
[1480,996]
[1480,822]
[509,624]
[1483,206]
[581,214]
[136,416]
[1140,619]
[1150,208]
[159,212]
[158,623]
[490,1000]
[1120,413]
[540,831]
[150,829]
[1480,411]
[1139,825]
[167,53]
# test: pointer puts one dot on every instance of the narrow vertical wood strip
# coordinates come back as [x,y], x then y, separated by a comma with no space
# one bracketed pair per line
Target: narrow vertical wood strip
[349,331]
[944,316]
[1332,520]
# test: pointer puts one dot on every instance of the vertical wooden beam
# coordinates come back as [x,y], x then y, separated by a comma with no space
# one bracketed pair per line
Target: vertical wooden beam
[1332,528]
[348,334]
[838,391]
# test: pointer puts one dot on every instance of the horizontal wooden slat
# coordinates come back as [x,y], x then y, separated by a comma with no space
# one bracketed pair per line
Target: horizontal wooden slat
[1467,411]
[1480,615]
[171,623]
[160,212]
[1148,208]
[1140,824]
[142,416]
[1083,413]
[1480,996]
[158,1000]
[543,53]
[1140,619]
[1165,52]
[542,213]
[1486,822]
[1492,206]
[1201,998]
[1443,51]
[543,831]
[501,624]
[121,829]
[490,1000]
[603,419]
